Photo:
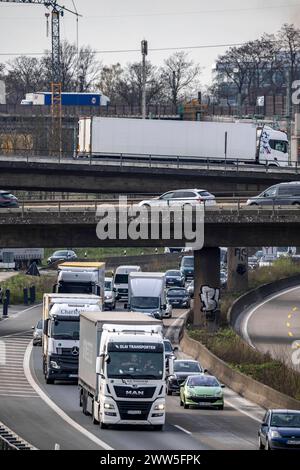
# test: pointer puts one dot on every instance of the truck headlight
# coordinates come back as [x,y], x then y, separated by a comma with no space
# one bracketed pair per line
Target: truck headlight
[160,407]
[108,296]
[109,406]
[54,365]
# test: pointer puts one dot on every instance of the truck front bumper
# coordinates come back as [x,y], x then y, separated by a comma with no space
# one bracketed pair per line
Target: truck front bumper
[134,412]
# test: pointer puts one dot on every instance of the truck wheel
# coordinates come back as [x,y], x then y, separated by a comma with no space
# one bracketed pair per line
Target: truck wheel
[80,398]
[158,427]
[49,380]
[103,425]
[169,392]
[84,404]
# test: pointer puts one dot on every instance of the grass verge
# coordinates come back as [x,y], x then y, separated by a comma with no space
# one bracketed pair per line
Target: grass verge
[16,284]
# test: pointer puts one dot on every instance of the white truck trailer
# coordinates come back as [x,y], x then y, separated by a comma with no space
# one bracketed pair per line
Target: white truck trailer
[61,318]
[80,278]
[193,140]
[147,294]
[122,369]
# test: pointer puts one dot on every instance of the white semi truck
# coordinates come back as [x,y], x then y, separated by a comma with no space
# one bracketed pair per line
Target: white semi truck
[147,294]
[61,318]
[196,140]
[122,369]
[121,281]
[80,278]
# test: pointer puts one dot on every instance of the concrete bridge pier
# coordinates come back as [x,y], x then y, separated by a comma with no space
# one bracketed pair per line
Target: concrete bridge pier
[206,286]
[237,269]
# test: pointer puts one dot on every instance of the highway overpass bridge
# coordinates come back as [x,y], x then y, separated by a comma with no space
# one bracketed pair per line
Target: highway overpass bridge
[140,174]
[232,227]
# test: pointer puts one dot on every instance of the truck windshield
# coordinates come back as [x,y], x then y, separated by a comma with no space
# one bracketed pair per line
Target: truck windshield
[141,365]
[121,279]
[144,302]
[75,288]
[65,329]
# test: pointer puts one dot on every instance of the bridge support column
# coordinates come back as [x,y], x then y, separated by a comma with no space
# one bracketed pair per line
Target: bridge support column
[206,285]
[237,269]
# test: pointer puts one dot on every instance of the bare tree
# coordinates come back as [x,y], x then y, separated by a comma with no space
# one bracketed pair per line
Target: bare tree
[23,75]
[89,69]
[289,38]
[110,81]
[131,84]
[178,76]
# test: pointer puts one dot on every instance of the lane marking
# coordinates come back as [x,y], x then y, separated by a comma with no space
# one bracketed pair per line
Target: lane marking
[15,315]
[240,410]
[246,320]
[54,407]
[182,429]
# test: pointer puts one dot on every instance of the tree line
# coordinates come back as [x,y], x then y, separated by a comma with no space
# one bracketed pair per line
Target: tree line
[176,79]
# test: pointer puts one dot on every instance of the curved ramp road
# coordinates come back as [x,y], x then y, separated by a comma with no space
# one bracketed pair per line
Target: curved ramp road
[274,325]
[52,415]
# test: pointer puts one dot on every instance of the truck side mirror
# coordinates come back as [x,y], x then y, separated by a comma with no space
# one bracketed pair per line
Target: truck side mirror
[164,306]
[99,362]
[98,290]
[170,366]
[114,289]
[45,327]
[54,288]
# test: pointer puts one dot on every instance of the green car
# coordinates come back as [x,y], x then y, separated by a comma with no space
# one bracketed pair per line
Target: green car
[201,390]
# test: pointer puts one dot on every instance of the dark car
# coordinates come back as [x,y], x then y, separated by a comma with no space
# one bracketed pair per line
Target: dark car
[62,255]
[178,297]
[182,370]
[280,429]
[8,200]
[187,267]
[174,278]
[284,194]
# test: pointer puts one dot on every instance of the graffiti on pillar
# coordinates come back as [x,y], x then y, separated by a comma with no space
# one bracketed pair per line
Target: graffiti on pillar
[242,256]
[209,297]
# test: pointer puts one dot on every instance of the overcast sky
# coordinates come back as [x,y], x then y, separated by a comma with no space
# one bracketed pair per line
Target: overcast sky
[120,24]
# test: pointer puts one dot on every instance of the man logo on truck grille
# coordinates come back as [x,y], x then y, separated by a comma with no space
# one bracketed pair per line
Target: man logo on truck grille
[75,351]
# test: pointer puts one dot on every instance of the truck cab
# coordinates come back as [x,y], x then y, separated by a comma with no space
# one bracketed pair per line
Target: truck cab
[121,281]
[61,319]
[80,278]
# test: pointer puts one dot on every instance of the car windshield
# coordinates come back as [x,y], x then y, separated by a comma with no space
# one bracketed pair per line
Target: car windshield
[6,195]
[187,366]
[203,381]
[60,253]
[65,329]
[285,420]
[177,293]
[39,325]
[147,365]
[107,285]
[121,279]
[168,346]
[144,302]
[173,273]
[188,262]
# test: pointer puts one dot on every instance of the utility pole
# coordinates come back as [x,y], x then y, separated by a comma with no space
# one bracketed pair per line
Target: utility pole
[144,48]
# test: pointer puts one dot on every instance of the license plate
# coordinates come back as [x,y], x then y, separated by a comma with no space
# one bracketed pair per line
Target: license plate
[203,403]
[73,376]
[295,443]
[134,412]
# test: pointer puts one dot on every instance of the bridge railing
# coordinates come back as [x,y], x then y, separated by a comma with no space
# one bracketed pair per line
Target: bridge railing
[152,161]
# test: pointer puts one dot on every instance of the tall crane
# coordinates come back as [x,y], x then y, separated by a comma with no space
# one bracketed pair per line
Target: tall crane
[56,11]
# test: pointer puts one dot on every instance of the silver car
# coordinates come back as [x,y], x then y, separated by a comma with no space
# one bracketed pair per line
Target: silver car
[181,197]
[109,294]
[38,333]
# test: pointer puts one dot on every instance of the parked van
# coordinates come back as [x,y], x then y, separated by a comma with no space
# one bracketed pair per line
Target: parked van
[284,194]
[121,281]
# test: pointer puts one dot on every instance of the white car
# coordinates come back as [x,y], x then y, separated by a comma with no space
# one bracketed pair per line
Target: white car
[266,260]
[109,294]
[181,197]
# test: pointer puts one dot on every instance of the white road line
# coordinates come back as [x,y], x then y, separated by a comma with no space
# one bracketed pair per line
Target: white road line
[53,406]
[16,315]
[240,410]
[182,429]
[247,318]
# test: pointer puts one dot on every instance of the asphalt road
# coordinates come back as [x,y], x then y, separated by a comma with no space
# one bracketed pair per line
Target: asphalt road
[274,325]
[37,420]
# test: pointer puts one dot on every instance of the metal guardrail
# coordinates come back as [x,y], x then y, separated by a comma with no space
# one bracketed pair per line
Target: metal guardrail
[154,161]
[11,441]
[229,204]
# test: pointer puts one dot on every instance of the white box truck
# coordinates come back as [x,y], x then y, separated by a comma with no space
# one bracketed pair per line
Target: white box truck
[80,278]
[122,370]
[194,140]
[147,294]
[61,318]
[121,281]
